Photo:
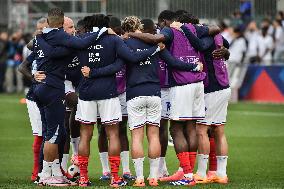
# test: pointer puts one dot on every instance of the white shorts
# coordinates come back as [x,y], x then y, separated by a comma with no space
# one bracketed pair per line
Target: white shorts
[35,117]
[123,105]
[69,88]
[108,109]
[166,105]
[144,110]
[187,102]
[216,104]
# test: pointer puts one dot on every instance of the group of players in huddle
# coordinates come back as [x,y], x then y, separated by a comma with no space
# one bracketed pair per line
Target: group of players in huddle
[132,73]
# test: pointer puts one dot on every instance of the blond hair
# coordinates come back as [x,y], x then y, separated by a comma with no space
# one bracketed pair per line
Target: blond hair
[131,24]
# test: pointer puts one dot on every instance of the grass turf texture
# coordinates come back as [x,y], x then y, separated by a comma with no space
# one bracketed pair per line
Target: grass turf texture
[255,134]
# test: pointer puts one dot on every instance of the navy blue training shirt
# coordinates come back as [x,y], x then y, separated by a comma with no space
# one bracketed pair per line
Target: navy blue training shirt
[31,60]
[73,71]
[105,52]
[54,67]
[142,78]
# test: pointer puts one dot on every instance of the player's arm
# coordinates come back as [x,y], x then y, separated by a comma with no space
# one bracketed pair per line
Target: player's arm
[148,38]
[24,67]
[222,52]
[107,70]
[213,30]
[198,44]
[124,52]
[50,51]
[81,43]
[178,64]
[165,36]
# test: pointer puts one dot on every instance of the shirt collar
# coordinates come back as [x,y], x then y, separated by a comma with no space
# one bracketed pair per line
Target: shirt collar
[47,30]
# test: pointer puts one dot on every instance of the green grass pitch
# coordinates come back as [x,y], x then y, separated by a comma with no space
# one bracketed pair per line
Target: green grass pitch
[255,134]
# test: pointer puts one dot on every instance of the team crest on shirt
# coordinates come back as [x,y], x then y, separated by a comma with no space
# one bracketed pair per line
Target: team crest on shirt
[147,61]
[40,54]
[189,59]
[95,57]
[75,62]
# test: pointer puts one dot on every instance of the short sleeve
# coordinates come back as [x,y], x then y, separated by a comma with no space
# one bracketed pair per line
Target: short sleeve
[168,33]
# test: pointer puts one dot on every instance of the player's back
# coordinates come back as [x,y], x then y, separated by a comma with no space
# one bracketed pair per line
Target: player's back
[142,77]
[100,54]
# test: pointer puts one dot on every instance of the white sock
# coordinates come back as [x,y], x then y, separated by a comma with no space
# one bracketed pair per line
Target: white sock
[221,166]
[46,169]
[104,162]
[163,170]
[64,162]
[154,167]
[75,145]
[125,161]
[202,164]
[56,171]
[138,165]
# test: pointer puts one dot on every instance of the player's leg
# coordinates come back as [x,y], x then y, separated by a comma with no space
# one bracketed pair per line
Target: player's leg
[55,136]
[137,153]
[212,155]
[181,109]
[221,103]
[65,156]
[203,153]
[35,119]
[191,136]
[124,154]
[110,113]
[87,115]
[103,151]
[153,117]
[86,133]
[71,100]
[163,132]
[136,109]
[201,136]
[154,152]
[221,155]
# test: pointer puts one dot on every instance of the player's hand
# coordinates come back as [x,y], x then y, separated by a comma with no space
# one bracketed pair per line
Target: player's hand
[86,71]
[199,67]
[37,32]
[125,36]
[110,31]
[220,53]
[176,25]
[39,76]
[162,46]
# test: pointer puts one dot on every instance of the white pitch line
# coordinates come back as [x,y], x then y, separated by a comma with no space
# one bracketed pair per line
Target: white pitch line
[257,113]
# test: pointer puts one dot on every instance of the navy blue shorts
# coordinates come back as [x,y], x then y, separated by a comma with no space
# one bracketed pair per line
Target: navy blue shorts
[50,101]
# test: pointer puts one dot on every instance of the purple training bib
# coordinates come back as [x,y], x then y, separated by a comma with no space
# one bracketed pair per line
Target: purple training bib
[183,50]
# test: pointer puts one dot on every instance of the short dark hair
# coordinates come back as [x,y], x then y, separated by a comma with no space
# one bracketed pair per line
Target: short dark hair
[148,23]
[166,15]
[114,22]
[96,20]
[55,16]
[81,24]
[181,12]
[187,18]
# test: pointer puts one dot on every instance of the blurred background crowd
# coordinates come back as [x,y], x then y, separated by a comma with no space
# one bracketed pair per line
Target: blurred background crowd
[255,34]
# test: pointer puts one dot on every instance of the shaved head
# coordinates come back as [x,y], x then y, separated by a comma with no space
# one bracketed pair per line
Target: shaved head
[68,25]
